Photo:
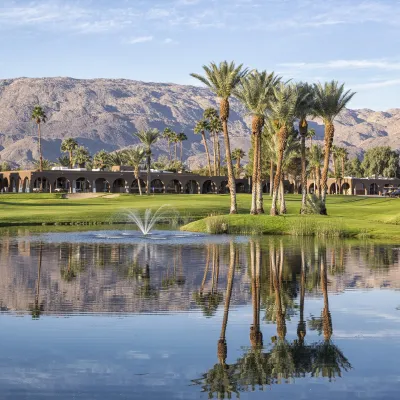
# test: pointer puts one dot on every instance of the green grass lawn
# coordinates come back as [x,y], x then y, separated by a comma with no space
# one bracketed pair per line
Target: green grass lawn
[362,216]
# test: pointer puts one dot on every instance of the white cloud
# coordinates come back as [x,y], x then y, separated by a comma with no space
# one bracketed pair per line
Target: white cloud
[140,39]
[376,85]
[345,64]
[170,41]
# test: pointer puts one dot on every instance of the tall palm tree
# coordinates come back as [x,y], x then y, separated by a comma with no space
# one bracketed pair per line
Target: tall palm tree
[81,156]
[222,79]
[330,99]
[117,158]
[148,139]
[304,109]
[237,155]
[182,137]
[201,127]
[283,115]
[39,116]
[134,158]
[168,134]
[69,146]
[316,160]
[310,135]
[211,115]
[256,92]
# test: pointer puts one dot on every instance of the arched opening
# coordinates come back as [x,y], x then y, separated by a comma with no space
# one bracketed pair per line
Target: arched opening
[13,185]
[359,189]
[83,185]
[299,189]
[266,188]
[135,186]
[5,185]
[240,188]
[345,189]
[373,189]
[157,186]
[209,187]
[224,188]
[61,184]
[25,185]
[119,186]
[334,188]
[102,185]
[192,187]
[174,186]
[41,185]
[312,188]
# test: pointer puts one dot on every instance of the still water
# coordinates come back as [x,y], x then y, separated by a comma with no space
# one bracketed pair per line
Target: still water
[102,315]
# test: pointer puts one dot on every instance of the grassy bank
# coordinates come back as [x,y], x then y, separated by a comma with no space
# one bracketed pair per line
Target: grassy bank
[348,216]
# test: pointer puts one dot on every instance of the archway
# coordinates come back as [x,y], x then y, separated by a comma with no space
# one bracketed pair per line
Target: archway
[266,188]
[157,186]
[25,185]
[13,185]
[373,189]
[135,186]
[209,187]
[119,186]
[62,184]
[82,185]
[299,189]
[192,187]
[312,188]
[240,188]
[224,188]
[345,189]
[5,185]
[359,189]
[102,185]
[174,186]
[334,188]
[41,185]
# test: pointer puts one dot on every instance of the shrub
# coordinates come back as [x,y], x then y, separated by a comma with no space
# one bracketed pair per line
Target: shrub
[217,224]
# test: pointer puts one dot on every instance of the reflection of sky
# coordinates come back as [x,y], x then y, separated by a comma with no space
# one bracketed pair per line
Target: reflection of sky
[157,356]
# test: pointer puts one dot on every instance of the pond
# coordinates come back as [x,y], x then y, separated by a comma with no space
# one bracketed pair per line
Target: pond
[110,315]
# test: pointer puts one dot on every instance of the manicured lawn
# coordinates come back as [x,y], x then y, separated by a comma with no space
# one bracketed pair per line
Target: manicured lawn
[376,217]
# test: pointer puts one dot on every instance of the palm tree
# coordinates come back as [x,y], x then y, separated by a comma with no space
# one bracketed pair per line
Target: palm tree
[215,129]
[182,137]
[135,157]
[117,158]
[237,155]
[222,79]
[37,308]
[69,146]
[304,109]
[168,134]
[201,127]
[315,160]
[101,160]
[81,156]
[330,100]
[283,115]
[148,139]
[46,164]
[39,116]
[175,141]
[256,92]
[310,135]
[342,155]
[334,151]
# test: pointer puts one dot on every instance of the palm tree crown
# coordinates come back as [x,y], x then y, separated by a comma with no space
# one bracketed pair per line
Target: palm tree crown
[202,126]
[38,115]
[148,138]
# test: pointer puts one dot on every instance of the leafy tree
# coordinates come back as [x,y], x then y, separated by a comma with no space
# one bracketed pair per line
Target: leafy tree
[237,155]
[134,158]
[5,166]
[181,138]
[168,134]
[310,135]
[81,156]
[316,159]
[222,79]
[148,139]
[354,168]
[211,115]
[381,161]
[45,164]
[117,158]
[101,160]
[330,100]
[63,161]
[201,127]
[39,116]
[69,146]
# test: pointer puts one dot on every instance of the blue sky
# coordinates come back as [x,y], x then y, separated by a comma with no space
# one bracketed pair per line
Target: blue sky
[354,41]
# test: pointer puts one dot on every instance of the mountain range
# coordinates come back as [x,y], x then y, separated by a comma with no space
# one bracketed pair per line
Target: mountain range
[104,114]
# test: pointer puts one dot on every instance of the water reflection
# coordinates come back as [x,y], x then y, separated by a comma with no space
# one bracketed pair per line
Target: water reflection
[277,278]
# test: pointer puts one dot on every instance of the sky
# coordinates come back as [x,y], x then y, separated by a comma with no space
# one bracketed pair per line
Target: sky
[353,41]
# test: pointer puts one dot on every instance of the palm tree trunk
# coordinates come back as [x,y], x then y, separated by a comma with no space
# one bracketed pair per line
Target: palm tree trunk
[203,282]
[181,151]
[215,152]
[224,113]
[169,150]
[271,177]
[237,167]
[280,319]
[70,159]
[329,133]
[326,315]
[218,155]
[283,209]
[281,148]
[318,177]
[301,328]
[207,152]
[176,148]
[40,148]
[137,177]
[259,194]
[253,209]
[303,126]
[148,174]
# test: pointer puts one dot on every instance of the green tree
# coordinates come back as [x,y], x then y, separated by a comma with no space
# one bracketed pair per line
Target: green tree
[182,137]
[63,161]
[283,115]
[81,156]
[222,79]
[46,165]
[381,161]
[201,127]
[330,99]
[237,155]
[39,116]
[117,158]
[354,168]
[148,139]
[168,135]
[310,135]
[256,92]
[316,162]
[135,157]
[211,114]
[69,146]
[101,160]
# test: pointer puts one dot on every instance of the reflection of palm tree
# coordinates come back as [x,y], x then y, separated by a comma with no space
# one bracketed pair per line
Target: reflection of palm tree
[37,308]
[74,266]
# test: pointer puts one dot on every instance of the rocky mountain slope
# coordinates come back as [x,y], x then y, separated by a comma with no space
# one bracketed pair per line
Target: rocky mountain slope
[103,114]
